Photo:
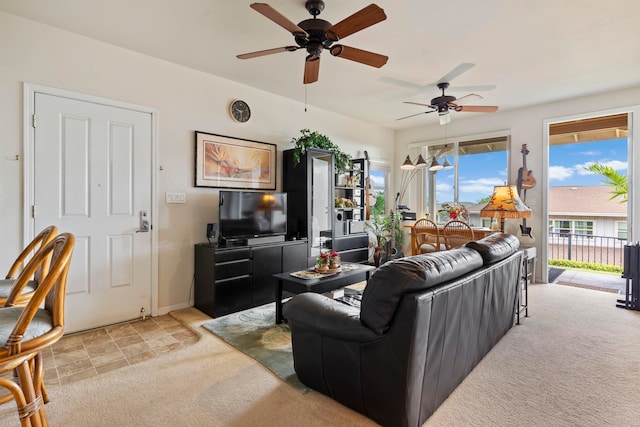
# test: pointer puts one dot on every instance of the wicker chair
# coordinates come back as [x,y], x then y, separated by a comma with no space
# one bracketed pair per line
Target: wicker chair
[426,237]
[26,330]
[457,233]
[36,244]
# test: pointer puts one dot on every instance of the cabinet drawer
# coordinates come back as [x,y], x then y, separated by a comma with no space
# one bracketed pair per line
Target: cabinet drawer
[232,255]
[232,295]
[226,270]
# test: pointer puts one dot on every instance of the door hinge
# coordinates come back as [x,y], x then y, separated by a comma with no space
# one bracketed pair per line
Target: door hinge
[34,120]
[33,211]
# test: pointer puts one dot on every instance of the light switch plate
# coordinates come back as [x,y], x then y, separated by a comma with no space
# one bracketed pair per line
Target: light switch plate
[175,198]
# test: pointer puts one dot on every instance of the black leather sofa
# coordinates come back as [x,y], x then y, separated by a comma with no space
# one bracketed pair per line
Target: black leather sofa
[424,323]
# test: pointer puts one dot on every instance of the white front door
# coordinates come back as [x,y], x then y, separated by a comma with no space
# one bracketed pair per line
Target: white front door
[92,177]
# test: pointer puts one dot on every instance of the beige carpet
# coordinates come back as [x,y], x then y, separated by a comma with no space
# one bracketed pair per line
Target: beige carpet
[574,362]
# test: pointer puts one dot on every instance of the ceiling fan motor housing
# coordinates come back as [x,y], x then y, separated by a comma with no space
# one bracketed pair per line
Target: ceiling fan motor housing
[316,38]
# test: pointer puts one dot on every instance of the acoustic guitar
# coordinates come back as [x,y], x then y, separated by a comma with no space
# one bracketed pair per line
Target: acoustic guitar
[525,181]
[525,177]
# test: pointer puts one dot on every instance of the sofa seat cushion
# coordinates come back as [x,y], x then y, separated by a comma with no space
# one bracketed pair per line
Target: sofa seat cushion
[391,281]
[495,247]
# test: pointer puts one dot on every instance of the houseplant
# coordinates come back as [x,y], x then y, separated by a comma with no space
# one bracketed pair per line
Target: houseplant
[380,226]
[308,139]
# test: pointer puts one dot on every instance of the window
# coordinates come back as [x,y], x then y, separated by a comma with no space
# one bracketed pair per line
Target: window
[621,230]
[478,166]
[563,227]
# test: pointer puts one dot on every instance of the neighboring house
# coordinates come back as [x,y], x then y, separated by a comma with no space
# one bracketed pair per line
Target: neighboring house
[586,210]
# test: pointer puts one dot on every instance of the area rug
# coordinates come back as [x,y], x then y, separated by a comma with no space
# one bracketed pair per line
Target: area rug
[255,333]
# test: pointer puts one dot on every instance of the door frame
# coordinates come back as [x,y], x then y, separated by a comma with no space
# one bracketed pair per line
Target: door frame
[633,140]
[29,91]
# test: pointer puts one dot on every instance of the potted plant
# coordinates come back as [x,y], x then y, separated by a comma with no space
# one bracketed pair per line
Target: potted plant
[380,226]
[309,139]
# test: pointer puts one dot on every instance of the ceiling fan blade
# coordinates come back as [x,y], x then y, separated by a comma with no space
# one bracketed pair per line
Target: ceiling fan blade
[311,69]
[359,55]
[467,98]
[413,115]
[479,88]
[267,52]
[398,82]
[417,103]
[477,108]
[278,18]
[360,20]
[456,72]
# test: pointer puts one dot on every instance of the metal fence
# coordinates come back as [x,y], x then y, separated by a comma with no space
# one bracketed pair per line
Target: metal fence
[584,248]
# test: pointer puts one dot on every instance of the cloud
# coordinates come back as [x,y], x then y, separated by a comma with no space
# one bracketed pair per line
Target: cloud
[560,173]
[590,153]
[617,165]
[480,186]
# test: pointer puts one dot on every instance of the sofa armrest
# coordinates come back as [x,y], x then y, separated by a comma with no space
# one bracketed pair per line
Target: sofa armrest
[327,317]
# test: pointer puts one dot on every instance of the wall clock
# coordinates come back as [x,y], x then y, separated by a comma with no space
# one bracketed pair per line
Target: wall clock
[240,111]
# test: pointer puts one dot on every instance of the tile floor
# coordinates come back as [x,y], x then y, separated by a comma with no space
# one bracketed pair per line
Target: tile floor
[86,354]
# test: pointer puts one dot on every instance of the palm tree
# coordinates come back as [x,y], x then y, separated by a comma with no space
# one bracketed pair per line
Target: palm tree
[613,178]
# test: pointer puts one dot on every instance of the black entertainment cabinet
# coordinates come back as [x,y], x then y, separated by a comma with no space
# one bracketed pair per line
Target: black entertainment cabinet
[234,278]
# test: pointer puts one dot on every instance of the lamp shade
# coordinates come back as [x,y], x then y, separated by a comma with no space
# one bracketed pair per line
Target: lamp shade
[446,165]
[408,165]
[421,162]
[505,203]
[435,165]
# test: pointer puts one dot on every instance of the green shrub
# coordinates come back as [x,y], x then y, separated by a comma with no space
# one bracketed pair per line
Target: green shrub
[585,265]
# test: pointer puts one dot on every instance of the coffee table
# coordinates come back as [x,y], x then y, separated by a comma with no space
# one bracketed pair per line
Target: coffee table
[296,285]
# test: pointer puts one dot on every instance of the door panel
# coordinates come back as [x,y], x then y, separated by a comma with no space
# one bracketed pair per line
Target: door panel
[93,178]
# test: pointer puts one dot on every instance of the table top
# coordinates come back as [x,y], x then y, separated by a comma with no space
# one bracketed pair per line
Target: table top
[343,276]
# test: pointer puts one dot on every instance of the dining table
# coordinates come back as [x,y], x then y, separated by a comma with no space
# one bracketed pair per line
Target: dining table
[478,233]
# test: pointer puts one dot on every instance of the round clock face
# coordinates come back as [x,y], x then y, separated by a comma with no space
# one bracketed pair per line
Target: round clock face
[240,111]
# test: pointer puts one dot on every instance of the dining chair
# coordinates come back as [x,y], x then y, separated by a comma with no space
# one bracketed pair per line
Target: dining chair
[26,330]
[457,233]
[44,237]
[426,237]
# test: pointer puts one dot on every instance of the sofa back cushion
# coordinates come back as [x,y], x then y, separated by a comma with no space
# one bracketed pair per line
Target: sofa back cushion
[495,247]
[391,281]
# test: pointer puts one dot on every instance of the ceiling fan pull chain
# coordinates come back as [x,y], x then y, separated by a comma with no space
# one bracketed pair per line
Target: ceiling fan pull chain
[305,98]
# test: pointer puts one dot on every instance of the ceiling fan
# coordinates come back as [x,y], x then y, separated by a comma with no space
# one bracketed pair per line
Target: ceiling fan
[314,35]
[443,104]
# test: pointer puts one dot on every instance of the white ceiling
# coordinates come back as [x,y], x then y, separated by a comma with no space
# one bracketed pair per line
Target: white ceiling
[532,52]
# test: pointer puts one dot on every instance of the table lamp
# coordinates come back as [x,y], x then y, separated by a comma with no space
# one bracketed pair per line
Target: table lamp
[505,203]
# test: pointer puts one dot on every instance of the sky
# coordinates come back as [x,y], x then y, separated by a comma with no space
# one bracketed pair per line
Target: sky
[480,173]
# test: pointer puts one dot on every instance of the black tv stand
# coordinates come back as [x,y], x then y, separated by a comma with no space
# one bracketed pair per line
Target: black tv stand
[236,277]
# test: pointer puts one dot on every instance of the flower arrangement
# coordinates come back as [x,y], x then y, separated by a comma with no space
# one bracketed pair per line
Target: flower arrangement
[455,211]
[328,260]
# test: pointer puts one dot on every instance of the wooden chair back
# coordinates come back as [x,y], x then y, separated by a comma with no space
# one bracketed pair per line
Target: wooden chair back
[39,242]
[21,350]
[457,233]
[44,237]
[426,237]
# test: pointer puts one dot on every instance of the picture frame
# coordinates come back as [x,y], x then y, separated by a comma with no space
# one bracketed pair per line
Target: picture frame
[229,162]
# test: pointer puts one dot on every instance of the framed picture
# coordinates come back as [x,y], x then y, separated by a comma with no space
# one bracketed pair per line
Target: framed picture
[227,162]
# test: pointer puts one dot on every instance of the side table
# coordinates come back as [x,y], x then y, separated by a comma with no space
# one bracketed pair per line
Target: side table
[528,274]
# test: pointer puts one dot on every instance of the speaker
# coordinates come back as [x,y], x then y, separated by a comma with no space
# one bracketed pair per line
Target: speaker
[211,230]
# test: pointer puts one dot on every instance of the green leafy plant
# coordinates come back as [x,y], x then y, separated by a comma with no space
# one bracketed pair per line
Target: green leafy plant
[380,226]
[308,139]
[612,178]
[581,265]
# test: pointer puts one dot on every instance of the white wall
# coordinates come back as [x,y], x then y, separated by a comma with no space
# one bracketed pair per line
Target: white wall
[187,101]
[526,126]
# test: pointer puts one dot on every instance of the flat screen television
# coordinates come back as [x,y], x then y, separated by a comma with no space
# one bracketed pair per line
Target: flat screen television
[251,214]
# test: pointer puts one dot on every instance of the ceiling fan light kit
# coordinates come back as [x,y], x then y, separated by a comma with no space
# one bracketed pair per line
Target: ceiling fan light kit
[315,35]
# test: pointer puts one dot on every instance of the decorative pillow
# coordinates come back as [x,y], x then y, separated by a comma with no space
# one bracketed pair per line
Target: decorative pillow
[391,281]
[495,247]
